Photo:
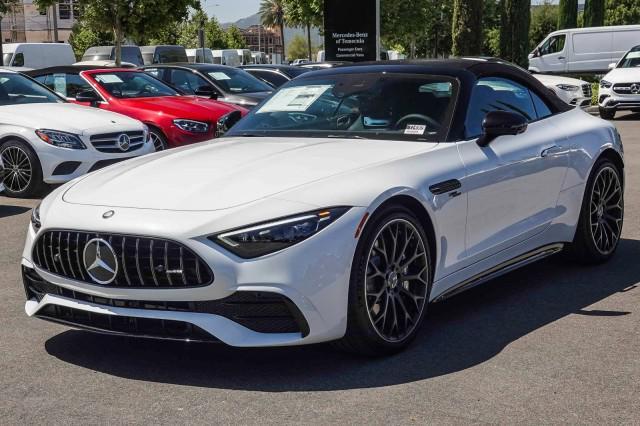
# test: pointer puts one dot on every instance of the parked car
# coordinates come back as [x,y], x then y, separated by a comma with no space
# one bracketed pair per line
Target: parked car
[573,91]
[337,210]
[163,54]
[583,50]
[245,56]
[226,57]
[274,75]
[620,88]
[200,56]
[214,81]
[37,55]
[173,119]
[46,140]
[104,64]
[130,54]
[323,65]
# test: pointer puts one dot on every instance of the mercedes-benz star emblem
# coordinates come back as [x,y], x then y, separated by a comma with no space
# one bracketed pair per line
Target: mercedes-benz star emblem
[635,88]
[124,142]
[100,261]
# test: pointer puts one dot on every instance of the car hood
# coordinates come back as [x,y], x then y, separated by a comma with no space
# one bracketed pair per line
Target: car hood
[65,117]
[248,99]
[231,172]
[623,75]
[192,107]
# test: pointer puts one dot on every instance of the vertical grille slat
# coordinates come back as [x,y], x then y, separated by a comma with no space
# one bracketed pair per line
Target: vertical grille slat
[140,260]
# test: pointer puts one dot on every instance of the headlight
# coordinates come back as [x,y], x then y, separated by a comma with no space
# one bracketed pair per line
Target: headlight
[146,135]
[567,87]
[35,218]
[261,239]
[191,126]
[228,121]
[605,84]
[60,139]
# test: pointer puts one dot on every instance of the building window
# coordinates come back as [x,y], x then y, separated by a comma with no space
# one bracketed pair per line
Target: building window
[64,9]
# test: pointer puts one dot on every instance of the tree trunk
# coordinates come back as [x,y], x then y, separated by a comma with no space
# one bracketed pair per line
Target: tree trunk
[515,19]
[309,40]
[594,13]
[54,15]
[1,52]
[283,43]
[466,28]
[568,14]
[118,36]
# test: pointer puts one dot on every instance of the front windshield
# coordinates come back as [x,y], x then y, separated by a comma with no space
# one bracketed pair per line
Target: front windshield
[237,81]
[16,89]
[376,106]
[132,84]
[6,59]
[631,59]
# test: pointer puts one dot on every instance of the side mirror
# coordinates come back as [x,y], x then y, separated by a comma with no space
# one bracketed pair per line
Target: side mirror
[88,96]
[207,92]
[226,122]
[536,52]
[501,123]
[612,65]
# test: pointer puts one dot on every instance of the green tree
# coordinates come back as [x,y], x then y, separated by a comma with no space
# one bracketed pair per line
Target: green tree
[491,28]
[514,30]
[272,16]
[593,13]
[214,35]
[298,48]
[568,14]
[234,38]
[304,14]
[544,20]
[5,7]
[139,20]
[467,27]
[622,12]
[83,37]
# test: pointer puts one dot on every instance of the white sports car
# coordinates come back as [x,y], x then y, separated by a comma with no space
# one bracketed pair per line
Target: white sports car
[335,211]
[45,139]
[620,88]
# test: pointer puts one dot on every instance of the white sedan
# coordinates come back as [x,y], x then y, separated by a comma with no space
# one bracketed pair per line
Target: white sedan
[620,88]
[335,211]
[573,91]
[46,140]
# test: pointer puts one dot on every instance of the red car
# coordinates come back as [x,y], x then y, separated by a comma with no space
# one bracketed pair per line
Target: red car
[173,119]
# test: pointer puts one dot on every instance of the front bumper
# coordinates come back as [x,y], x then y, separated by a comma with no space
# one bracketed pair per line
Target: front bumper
[296,296]
[610,100]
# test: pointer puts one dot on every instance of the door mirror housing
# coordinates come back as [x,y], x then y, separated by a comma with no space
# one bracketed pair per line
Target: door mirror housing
[612,65]
[501,123]
[88,96]
[207,92]
[536,52]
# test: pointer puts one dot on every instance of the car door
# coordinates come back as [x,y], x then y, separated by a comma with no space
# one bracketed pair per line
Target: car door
[553,54]
[513,184]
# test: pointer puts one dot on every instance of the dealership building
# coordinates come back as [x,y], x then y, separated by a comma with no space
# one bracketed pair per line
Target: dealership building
[27,24]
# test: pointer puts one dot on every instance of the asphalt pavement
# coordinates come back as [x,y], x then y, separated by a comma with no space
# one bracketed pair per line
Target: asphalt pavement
[552,343]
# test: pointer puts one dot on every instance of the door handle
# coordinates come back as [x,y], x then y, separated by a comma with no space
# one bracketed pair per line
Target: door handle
[551,151]
[561,57]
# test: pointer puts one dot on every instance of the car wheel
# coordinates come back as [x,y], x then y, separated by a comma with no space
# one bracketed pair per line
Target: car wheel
[390,284]
[23,172]
[607,114]
[158,139]
[601,217]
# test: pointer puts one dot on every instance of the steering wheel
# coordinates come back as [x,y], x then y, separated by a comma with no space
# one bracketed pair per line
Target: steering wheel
[433,124]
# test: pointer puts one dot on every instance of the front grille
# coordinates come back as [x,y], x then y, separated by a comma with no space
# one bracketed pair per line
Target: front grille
[108,142]
[258,311]
[627,88]
[142,262]
[586,90]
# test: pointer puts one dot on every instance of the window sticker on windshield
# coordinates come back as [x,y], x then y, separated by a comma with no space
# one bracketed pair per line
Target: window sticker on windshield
[219,76]
[108,78]
[415,129]
[60,84]
[294,99]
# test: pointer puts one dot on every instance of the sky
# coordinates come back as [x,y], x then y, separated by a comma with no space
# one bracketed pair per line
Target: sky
[232,10]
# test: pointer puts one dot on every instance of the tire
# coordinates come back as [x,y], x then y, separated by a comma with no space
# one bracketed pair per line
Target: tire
[607,114]
[24,172]
[158,139]
[389,290]
[601,217]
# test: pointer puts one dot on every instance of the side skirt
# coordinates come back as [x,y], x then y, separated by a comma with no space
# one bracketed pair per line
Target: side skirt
[501,269]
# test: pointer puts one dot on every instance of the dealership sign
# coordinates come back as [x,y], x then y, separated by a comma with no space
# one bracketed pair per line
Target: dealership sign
[351,30]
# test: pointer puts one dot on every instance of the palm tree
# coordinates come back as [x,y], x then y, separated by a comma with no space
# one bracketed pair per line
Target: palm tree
[272,16]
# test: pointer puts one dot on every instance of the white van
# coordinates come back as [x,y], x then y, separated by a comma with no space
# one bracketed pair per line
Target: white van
[583,50]
[200,56]
[37,55]
[245,56]
[259,57]
[227,57]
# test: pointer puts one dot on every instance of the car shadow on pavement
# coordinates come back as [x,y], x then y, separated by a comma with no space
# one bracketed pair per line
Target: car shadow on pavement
[7,211]
[459,333]
[628,117]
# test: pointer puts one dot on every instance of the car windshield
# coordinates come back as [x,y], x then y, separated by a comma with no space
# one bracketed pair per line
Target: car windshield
[631,59]
[16,89]
[237,81]
[371,106]
[133,84]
